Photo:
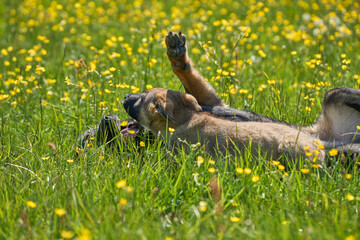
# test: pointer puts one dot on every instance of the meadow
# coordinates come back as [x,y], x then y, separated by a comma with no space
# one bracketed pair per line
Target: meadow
[65,64]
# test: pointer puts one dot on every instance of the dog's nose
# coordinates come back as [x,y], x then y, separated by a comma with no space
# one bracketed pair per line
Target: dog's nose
[130,99]
[129,102]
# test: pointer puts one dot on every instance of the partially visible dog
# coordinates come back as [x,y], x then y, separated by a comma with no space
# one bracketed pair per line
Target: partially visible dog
[201,116]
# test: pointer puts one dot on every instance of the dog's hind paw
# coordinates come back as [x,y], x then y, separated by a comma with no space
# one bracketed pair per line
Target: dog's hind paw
[176,46]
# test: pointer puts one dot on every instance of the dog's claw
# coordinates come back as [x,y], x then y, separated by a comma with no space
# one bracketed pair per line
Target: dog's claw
[176,45]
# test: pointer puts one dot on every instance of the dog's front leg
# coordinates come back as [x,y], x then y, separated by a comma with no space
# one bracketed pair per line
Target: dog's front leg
[182,66]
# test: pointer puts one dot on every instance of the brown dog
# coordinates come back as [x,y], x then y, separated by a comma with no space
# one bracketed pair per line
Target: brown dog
[160,110]
[202,116]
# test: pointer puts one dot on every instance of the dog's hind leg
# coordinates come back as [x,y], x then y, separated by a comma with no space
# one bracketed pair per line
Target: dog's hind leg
[340,117]
[182,66]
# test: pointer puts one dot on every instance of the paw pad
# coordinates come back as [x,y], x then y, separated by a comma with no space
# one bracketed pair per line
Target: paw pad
[176,45]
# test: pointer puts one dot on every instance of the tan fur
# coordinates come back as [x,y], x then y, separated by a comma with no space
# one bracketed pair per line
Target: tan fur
[216,134]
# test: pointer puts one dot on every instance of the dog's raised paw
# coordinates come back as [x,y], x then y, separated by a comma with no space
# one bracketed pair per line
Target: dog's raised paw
[176,45]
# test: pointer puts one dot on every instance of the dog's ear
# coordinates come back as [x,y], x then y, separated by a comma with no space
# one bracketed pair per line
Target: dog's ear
[165,110]
[190,102]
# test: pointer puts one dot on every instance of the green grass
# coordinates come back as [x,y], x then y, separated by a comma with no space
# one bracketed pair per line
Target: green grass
[168,194]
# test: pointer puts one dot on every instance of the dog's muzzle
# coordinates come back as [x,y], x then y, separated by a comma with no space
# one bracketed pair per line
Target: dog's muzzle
[129,105]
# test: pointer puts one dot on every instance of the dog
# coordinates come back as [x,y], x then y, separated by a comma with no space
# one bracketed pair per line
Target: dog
[205,117]
[199,115]
[160,109]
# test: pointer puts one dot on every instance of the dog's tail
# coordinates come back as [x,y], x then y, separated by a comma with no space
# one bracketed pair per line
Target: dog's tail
[339,121]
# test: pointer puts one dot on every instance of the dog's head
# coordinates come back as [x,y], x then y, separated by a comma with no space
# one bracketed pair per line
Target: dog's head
[158,108]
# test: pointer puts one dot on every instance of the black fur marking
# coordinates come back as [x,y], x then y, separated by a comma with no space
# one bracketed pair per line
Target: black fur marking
[239,115]
[108,129]
[354,106]
[340,95]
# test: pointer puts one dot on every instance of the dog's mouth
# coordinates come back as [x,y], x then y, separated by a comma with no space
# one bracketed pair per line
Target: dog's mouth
[130,128]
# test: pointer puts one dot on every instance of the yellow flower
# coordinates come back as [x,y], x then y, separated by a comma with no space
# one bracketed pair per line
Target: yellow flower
[247,171]
[31,204]
[199,160]
[60,211]
[308,154]
[358,128]
[123,201]
[124,123]
[348,176]
[4,52]
[142,144]
[240,170]
[281,167]
[212,162]
[67,234]
[129,189]
[255,178]
[211,170]
[321,147]
[45,158]
[262,53]
[293,53]
[29,59]
[234,219]
[276,163]
[350,197]
[333,152]
[351,237]
[102,104]
[202,206]
[307,148]
[315,165]
[84,235]
[121,183]
[171,130]
[169,238]
[305,170]
[70,160]
[131,131]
